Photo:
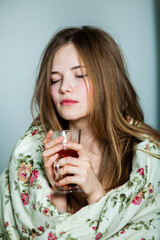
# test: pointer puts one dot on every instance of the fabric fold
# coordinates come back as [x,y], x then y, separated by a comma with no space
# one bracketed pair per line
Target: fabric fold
[131,211]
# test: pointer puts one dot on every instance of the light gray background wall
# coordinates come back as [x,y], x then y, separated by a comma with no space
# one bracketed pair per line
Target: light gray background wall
[26,27]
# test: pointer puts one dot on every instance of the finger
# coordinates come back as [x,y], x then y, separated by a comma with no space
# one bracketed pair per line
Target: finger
[74,179]
[50,152]
[69,170]
[77,147]
[67,180]
[50,161]
[70,161]
[48,137]
[54,142]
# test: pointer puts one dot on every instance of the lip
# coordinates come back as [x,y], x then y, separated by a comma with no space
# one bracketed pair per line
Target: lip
[68,102]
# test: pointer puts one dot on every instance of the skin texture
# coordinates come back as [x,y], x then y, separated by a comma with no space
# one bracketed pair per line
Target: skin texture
[67,82]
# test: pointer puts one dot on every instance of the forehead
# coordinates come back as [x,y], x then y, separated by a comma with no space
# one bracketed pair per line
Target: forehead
[66,55]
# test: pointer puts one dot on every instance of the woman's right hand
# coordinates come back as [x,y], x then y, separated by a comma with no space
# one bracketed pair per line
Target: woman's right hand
[50,154]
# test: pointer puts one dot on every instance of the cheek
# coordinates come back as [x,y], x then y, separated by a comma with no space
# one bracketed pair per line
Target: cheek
[87,92]
[53,94]
[84,88]
[89,96]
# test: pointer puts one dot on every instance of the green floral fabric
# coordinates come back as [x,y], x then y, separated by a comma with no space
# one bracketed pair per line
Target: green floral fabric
[129,212]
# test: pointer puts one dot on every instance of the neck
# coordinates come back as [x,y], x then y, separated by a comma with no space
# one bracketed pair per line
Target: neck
[88,139]
[90,144]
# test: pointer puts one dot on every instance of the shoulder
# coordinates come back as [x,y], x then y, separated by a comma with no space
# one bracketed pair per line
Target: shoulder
[146,159]
[30,145]
[149,145]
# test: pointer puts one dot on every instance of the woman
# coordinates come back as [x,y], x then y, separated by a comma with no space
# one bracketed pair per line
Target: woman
[83,83]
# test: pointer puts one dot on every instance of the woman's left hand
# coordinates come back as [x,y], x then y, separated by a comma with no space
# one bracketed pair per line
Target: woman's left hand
[82,173]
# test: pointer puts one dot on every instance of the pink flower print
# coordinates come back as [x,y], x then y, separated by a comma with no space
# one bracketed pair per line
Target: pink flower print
[33,177]
[25,198]
[47,225]
[94,228]
[24,230]
[34,132]
[138,199]
[130,120]
[141,171]
[147,147]
[39,186]
[151,188]
[122,232]
[6,224]
[62,233]
[118,187]
[98,236]
[24,172]
[41,229]
[52,236]
[47,212]
[49,197]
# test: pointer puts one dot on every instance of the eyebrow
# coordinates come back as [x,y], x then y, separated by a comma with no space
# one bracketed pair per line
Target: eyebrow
[73,68]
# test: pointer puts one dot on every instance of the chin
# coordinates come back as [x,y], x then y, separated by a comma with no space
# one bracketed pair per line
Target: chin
[72,117]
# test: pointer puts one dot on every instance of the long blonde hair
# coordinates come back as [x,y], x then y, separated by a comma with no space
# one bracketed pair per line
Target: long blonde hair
[114,99]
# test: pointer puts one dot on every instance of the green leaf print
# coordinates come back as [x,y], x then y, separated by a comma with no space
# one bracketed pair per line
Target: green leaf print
[121,208]
[130,183]
[40,148]
[129,199]
[88,220]
[146,227]
[16,186]
[41,165]
[69,237]
[91,223]
[122,197]
[7,199]
[136,179]
[27,157]
[138,228]
[21,154]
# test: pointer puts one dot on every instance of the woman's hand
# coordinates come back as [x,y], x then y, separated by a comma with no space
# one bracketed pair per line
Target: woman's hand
[50,154]
[80,172]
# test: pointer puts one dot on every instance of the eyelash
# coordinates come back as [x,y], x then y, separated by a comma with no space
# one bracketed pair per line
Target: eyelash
[81,76]
[52,82]
[77,76]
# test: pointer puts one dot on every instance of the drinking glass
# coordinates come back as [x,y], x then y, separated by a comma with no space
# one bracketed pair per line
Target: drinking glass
[69,136]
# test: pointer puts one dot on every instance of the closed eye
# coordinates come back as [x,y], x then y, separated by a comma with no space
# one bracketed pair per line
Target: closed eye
[81,76]
[54,81]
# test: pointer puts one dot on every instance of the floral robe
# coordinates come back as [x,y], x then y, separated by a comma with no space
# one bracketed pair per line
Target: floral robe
[130,212]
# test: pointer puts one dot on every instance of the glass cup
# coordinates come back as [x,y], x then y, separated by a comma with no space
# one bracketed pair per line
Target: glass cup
[69,136]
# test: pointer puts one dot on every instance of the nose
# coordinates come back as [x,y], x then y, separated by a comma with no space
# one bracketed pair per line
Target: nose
[66,85]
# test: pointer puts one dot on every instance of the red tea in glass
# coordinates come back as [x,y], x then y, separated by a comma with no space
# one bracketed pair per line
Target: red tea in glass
[70,136]
[62,154]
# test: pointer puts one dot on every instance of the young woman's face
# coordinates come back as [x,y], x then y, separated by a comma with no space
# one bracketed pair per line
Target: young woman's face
[68,88]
